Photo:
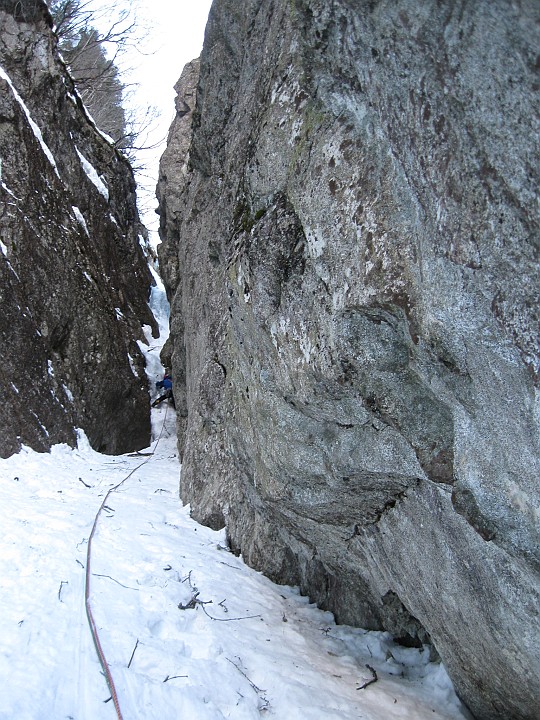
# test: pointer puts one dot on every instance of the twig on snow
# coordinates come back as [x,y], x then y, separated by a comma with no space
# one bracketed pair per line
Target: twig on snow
[264,702]
[257,689]
[85,484]
[188,578]
[246,617]
[116,581]
[63,582]
[133,653]
[192,604]
[173,677]
[372,680]
[229,565]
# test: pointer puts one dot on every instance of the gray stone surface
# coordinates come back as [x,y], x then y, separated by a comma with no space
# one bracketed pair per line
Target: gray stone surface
[351,250]
[74,282]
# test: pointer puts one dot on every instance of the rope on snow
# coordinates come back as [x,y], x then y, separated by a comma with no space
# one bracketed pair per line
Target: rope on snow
[93,628]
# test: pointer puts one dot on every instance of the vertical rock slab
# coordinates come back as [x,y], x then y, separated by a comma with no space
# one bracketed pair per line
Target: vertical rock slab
[74,282]
[351,250]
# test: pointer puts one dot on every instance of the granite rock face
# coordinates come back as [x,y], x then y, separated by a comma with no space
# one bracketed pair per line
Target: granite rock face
[350,226]
[74,281]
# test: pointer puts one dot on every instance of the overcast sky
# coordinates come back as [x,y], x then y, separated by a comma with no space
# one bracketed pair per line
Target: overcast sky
[173,35]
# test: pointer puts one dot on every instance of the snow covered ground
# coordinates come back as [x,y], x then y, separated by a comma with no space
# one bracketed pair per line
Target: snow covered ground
[188,631]
[253,648]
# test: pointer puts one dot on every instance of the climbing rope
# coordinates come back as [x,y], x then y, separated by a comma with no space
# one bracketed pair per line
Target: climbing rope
[93,628]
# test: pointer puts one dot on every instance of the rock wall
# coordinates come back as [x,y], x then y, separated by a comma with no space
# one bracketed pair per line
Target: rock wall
[74,281]
[350,222]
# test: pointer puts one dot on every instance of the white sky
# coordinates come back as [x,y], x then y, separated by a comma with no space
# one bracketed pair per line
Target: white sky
[174,35]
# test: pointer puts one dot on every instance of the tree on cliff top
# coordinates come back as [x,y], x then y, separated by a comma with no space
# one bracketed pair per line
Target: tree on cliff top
[91,57]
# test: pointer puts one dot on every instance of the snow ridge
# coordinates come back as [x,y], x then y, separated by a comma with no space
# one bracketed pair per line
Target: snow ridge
[31,122]
[92,175]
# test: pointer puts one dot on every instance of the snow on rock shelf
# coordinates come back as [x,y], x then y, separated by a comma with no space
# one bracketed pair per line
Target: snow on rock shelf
[242,647]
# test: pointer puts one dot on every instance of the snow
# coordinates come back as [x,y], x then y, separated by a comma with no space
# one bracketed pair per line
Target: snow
[144,245]
[92,175]
[33,125]
[160,307]
[80,219]
[3,248]
[252,648]
[132,366]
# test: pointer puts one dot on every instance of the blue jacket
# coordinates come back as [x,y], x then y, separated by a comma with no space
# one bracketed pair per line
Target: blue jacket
[166,383]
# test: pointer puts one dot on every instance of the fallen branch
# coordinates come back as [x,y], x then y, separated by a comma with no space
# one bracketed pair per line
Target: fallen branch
[264,703]
[372,680]
[257,689]
[192,604]
[188,578]
[133,653]
[229,565]
[246,617]
[64,582]
[116,581]
[85,484]
[173,677]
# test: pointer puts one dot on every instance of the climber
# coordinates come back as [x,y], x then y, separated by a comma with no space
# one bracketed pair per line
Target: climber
[165,384]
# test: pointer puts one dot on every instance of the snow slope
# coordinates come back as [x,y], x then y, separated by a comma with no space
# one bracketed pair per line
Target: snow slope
[252,649]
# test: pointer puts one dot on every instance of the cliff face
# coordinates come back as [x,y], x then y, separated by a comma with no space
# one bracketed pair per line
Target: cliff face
[73,278]
[350,227]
